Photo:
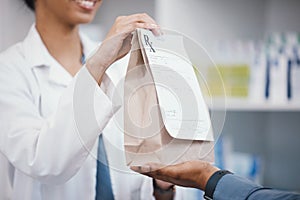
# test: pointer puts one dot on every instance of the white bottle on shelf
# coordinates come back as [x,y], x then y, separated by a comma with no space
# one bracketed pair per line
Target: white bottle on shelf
[295,76]
[278,75]
[257,82]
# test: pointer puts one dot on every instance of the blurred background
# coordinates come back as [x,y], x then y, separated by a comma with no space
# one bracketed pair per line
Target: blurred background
[255,45]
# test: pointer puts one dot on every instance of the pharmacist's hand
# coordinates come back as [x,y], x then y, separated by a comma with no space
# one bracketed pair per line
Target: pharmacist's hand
[121,31]
[118,40]
[188,174]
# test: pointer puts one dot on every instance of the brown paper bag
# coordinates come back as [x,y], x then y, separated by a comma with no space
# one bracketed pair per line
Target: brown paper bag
[145,136]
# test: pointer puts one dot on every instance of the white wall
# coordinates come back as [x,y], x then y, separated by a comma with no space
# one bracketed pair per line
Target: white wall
[15,20]
[210,20]
[283,15]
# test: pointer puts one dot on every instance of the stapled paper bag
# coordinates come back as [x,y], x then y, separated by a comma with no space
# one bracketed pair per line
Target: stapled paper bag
[163,121]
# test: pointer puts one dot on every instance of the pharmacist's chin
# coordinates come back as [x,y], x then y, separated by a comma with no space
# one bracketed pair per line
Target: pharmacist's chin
[81,18]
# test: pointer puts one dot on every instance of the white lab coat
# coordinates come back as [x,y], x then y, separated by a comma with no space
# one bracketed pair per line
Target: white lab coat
[52,153]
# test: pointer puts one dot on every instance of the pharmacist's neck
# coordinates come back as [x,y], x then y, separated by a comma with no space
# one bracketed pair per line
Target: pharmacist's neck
[59,37]
[62,41]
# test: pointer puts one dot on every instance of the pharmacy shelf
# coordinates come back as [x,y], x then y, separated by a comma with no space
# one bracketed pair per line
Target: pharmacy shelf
[244,104]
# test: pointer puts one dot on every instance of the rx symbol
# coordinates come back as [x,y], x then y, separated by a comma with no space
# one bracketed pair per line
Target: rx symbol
[148,43]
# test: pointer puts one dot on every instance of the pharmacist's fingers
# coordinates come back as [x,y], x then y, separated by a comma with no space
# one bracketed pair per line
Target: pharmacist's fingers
[141,17]
[127,24]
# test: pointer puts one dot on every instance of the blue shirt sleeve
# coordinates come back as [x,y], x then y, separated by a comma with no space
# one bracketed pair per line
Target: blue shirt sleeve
[232,187]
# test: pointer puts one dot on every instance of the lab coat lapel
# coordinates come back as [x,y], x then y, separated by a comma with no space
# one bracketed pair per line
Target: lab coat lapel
[42,63]
[34,50]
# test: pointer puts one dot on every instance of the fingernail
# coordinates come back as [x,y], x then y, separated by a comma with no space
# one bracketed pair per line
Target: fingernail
[154,26]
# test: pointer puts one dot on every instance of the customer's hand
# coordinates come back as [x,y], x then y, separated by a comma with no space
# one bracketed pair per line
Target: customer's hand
[189,174]
[118,42]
